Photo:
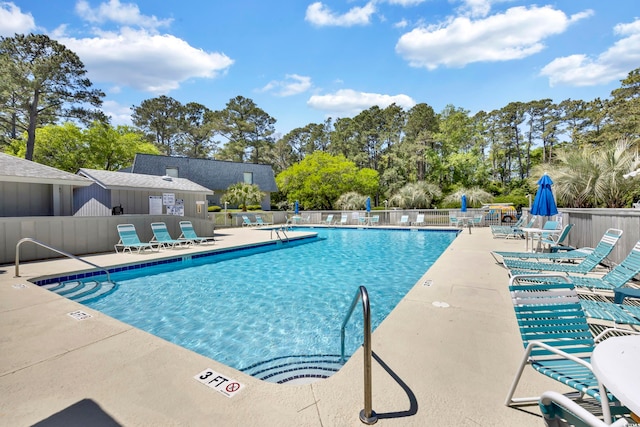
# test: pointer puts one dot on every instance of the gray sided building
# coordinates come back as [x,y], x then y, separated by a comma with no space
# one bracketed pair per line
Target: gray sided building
[216,175]
[132,193]
[31,189]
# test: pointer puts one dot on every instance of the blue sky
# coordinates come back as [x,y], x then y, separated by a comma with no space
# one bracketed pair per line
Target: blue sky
[303,61]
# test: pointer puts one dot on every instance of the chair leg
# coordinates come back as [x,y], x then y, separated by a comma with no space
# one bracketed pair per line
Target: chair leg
[520,400]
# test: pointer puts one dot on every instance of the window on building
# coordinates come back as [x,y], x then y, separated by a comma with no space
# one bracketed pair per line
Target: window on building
[171,171]
[248,177]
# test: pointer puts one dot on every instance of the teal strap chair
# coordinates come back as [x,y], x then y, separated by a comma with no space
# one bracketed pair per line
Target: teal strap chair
[590,262]
[129,239]
[189,234]
[557,339]
[555,242]
[162,237]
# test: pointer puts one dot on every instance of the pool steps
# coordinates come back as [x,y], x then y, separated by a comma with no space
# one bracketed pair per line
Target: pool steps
[82,291]
[295,369]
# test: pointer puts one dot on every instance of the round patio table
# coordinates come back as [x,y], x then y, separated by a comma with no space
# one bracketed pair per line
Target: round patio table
[615,363]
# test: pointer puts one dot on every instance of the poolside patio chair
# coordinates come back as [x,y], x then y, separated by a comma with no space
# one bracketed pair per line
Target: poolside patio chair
[555,242]
[189,234]
[420,220]
[588,263]
[476,221]
[129,239]
[344,219]
[375,220]
[260,221]
[328,220]
[404,220]
[575,254]
[558,410]
[162,237]
[512,231]
[246,222]
[453,219]
[557,339]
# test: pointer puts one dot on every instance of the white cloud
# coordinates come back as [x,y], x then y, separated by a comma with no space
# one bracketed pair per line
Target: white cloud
[119,114]
[143,61]
[475,8]
[401,24]
[514,34]
[13,21]
[612,64]
[293,84]
[320,15]
[350,102]
[120,13]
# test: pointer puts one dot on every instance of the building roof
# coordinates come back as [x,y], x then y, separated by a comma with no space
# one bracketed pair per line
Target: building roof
[129,181]
[15,169]
[213,174]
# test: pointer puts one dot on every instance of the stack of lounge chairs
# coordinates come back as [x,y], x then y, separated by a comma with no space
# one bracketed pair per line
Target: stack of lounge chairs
[556,297]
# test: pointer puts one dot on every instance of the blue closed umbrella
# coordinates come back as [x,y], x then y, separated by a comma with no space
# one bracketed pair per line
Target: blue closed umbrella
[544,203]
[296,208]
[464,203]
[368,204]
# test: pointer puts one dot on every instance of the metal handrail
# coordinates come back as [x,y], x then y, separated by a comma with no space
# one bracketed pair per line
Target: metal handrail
[44,245]
[367,415]
[278,234]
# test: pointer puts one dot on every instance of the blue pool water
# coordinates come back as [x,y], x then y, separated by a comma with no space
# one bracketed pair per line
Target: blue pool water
[268,304]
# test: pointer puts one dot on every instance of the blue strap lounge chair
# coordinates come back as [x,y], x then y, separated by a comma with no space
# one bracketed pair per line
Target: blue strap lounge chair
[344,219]
[512,231]
[328,220]
[246,222]
[623,314]
[420,220]
[590,262]
[129,239]
[404,220]
[162,237]
[189,234]
[556,242]
[260,221]
[557,339]
[575,254]
[375,220]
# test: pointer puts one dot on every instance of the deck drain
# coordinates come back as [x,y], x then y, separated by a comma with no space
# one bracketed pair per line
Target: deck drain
[19,286]
[79,315]
[440,304]
[427,282]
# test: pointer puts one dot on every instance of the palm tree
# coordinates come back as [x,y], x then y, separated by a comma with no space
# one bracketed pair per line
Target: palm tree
[594,176]
[351,200]
[243,194]
[415,195]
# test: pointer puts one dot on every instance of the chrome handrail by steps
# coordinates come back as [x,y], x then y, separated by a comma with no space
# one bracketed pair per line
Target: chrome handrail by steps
[44,245]
[367,415]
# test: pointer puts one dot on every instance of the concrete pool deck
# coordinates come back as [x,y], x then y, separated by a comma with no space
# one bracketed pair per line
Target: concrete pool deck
[433,365]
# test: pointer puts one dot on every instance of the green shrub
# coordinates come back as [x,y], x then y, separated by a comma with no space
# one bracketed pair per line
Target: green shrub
[214,208]
[254,207]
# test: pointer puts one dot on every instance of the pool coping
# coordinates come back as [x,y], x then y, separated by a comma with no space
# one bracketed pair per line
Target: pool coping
[421,375]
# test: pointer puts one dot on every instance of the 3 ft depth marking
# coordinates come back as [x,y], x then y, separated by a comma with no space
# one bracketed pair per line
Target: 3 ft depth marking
[227,386]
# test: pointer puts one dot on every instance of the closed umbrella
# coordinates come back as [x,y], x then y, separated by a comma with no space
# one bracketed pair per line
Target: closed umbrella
[296,208]
[464,203]
[544,204]
[368,204]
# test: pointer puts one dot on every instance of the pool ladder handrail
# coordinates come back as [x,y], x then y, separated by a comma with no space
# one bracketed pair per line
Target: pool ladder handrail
[367,415]
[278,234]
[61,252]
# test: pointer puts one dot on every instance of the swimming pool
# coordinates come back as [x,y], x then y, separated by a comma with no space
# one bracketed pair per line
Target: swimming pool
[276,313]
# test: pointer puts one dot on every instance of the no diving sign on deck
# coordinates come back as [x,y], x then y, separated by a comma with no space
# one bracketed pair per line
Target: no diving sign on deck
[225,385]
